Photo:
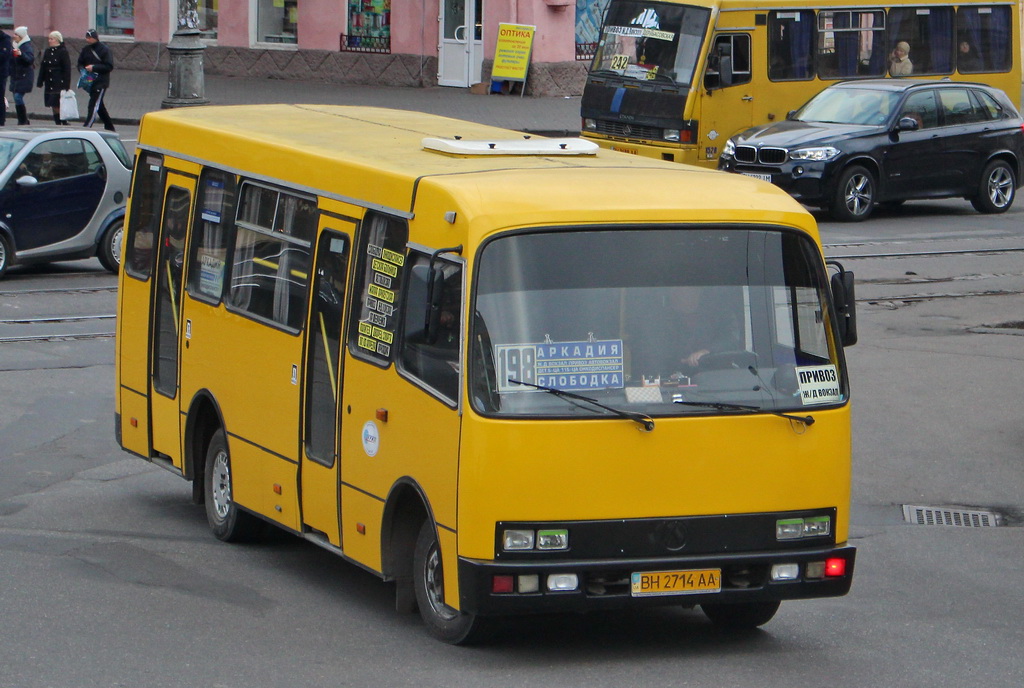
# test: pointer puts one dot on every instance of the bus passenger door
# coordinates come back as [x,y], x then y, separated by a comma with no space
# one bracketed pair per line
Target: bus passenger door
[319,477]
[727,103]
[165,321]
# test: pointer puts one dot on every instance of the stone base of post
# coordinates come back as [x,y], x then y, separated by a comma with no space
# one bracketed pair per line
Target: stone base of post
[186,84]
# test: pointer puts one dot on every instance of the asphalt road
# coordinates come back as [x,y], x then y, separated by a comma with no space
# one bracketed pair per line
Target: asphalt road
[110,577]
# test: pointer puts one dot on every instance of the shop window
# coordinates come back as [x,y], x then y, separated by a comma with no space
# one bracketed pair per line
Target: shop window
[115,17]
[277,21]
[369,27]
[6,14]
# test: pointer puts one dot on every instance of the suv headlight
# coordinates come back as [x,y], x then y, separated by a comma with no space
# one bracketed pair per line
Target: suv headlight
[729,149]
[820,154]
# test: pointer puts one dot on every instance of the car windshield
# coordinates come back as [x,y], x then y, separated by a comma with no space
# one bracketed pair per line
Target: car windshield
[849,106]
[115,145]
[8,149]
[655,321]
[649,41]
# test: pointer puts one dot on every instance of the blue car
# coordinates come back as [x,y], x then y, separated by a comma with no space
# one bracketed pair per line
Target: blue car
[62,196]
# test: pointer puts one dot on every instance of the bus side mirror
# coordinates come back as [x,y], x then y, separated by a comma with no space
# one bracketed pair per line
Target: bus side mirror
[417,304]
[725,70]
[844,298]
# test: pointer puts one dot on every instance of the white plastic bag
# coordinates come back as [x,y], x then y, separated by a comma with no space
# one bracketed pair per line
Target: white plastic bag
[68,105]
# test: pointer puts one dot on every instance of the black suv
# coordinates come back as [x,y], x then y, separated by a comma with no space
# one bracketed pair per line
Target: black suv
[858,143]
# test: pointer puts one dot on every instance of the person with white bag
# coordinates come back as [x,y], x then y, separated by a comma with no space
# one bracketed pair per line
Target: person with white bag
[55,78]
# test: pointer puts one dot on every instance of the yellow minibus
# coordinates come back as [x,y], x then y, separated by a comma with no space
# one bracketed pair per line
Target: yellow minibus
[512,375]
[674,79]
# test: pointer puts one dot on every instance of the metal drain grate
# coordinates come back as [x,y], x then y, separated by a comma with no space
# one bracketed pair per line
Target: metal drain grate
[950,516]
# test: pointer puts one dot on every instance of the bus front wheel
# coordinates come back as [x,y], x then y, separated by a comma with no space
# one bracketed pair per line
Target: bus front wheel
[443,622]
[741,616]
[226,520]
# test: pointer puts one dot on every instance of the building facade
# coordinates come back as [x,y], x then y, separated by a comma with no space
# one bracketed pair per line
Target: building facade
[416,43]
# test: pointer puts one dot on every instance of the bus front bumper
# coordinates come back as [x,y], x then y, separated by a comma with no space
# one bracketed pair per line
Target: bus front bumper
[607,584]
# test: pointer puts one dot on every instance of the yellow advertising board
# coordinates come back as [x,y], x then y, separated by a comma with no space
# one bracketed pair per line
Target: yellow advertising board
[512,55]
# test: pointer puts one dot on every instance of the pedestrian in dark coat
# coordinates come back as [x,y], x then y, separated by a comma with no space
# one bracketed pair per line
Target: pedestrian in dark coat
[97,59]
[6,46]
[54,74]
[23,72]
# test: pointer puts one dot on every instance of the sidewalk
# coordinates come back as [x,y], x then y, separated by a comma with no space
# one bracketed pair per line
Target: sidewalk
[132,94]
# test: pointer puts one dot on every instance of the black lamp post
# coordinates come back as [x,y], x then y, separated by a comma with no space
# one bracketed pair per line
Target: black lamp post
[185,79]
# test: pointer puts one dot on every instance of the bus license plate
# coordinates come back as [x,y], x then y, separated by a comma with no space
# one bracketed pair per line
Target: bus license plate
[755,175]
[651,583]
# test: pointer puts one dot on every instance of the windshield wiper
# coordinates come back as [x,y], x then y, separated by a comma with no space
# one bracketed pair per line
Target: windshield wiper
[721,406]
[646,421]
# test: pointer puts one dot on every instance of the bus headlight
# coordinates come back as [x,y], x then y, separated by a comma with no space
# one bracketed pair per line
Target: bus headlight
[671,134]
[796,528]
[515,540]
[553,539]
[589,124]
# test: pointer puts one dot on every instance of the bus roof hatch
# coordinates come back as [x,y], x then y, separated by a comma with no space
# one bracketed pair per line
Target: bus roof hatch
[526,146]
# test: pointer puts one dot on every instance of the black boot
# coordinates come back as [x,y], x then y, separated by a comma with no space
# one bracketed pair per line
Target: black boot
[56,119]
[22,114]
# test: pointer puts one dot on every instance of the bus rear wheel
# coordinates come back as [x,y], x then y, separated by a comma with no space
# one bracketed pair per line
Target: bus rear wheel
[227,521]
[443,622]
[741,616]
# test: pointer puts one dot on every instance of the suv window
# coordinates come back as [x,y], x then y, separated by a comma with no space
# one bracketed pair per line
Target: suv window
[958,108]
[990,108]
[921,106]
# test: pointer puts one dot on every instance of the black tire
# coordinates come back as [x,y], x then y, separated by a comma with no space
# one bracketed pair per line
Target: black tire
[855,195]
[226,520]
[6,255]
[443,622]
[109,251]
[742,616]
[996,189]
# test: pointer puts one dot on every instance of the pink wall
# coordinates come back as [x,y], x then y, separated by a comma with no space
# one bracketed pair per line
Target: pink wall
[153,20]
[556,25]
[321,22]
[414,27]
[233,23]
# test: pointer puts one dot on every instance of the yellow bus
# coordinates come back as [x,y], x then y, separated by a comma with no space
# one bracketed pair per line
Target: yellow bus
[512,375]
[674,79]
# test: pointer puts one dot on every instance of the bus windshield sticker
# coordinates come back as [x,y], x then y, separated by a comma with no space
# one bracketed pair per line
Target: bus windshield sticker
[818,384]
[568,366]
[377,328]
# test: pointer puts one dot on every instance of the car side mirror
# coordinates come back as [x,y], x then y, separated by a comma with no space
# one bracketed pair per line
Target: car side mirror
[907,124]
[844,298]
[26,181]
[791,115]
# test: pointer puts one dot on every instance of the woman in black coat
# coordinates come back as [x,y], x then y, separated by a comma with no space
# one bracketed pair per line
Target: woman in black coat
[55,74]
[23,72]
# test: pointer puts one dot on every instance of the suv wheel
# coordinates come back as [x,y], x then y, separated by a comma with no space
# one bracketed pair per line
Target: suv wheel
[996,188]
[855,195]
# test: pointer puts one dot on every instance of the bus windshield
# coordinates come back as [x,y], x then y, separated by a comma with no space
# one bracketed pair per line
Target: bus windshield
[648,41]
[849,106]
[662,322]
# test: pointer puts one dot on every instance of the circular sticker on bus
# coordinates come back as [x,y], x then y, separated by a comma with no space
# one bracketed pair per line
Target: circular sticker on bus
[371,438]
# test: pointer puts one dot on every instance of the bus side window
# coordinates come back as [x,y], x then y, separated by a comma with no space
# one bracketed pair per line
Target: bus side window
[729,62]
[270,265]
[380,265]
[432,324]
[147,203]
[791,45]
[214,214]
[929,32]
[987,33]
